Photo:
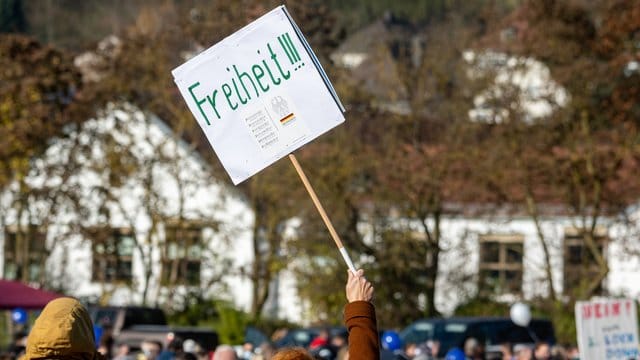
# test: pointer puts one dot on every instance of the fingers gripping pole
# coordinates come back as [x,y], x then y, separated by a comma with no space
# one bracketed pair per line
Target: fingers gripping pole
[323,214]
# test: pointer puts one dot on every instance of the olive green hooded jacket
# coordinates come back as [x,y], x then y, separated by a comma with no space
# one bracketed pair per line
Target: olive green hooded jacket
[62,331]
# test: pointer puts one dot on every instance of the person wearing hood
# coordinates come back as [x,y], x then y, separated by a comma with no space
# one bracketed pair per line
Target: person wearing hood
[62,331]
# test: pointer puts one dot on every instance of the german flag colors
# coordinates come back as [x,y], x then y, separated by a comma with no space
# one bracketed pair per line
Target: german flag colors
[287,119]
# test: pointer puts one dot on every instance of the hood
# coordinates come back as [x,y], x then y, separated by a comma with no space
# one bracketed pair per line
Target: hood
[64,331]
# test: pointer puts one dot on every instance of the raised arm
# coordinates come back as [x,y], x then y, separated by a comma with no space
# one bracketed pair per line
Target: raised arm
[360,319]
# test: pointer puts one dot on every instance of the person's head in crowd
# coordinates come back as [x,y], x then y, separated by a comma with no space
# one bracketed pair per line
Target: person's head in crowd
[324,352]
[248,347]
[279,334]
[338,341]
[473,349]
[522,352]
[123,350]
[505,349]
[225,352]
[410,349]
[423,351]
[559,352]
[542,351]
[106,345]
[267,350]
[247,351]
[62,331]
[324,334]
[185,356]
[573,352]
[190,346]
[18,345]
[343,353]
[175,346]
[20,338]
[292,354]
[434,345]
[321,340]
[151,349]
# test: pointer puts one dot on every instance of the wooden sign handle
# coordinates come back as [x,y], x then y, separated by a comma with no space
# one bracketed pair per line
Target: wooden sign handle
[323,214]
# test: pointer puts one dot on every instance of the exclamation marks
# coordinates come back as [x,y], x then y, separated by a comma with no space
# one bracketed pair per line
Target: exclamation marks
[290,50]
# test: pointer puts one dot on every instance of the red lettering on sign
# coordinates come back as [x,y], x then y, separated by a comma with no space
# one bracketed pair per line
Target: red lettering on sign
[597,311]
[615,309]
[586,311]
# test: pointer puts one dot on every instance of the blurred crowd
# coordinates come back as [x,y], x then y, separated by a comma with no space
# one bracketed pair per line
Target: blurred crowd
[322,347]
[64,331]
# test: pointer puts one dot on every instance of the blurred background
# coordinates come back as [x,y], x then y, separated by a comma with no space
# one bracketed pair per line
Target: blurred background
[490,155]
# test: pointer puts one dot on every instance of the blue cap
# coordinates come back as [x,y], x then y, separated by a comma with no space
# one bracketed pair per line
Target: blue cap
[391,341]
[455,354]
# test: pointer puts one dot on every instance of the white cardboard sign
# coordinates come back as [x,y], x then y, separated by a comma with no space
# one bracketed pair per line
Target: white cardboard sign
[607,329]
[259,94]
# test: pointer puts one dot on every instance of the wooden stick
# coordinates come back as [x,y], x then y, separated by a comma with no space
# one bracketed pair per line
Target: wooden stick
[323,214]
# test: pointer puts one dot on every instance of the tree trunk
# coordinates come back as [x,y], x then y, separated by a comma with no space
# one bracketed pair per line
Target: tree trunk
[257,262]
[432,262]
[533,213]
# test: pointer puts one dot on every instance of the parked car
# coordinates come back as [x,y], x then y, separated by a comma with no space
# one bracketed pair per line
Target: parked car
[133,336]
[255,337]
[490,331]
[133,324]
[120,318]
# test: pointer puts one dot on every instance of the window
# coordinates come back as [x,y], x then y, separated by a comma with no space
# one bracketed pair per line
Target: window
[182,254]
[24,253]
[579,262]
[501,264]
[112,254]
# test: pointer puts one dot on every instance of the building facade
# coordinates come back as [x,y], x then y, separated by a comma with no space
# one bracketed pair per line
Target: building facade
[124,211]
[167,228]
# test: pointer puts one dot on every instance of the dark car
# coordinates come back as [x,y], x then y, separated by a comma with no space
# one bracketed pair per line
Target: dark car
[119,318]
[255,337]
[207,339]
[131,325]
[490,331]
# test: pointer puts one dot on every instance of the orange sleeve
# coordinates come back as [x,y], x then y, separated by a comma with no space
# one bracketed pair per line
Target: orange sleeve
[360,319]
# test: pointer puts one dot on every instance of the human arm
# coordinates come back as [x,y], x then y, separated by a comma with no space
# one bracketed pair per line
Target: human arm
[360,319]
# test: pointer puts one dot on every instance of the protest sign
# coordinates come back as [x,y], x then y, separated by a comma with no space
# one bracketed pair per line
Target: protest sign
[259,94]
[607,329]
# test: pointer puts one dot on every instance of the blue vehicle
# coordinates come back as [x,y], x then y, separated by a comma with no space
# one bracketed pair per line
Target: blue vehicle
[490,331]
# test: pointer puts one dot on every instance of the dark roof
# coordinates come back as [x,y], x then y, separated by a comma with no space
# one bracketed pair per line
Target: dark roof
[381,42]
[387,30]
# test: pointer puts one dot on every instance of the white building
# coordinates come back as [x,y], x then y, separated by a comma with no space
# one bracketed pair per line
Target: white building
[505,256]
[168,218]
[502,253]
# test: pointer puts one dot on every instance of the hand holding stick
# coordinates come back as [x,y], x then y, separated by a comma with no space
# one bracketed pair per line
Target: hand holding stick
[358,288]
